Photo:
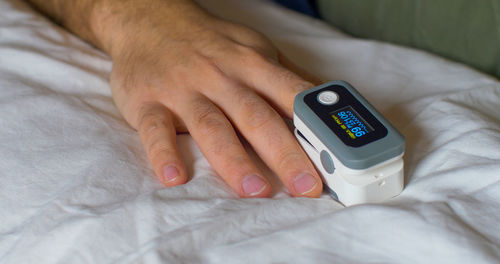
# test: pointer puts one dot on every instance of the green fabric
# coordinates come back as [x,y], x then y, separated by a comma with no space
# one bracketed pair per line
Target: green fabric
[467,31]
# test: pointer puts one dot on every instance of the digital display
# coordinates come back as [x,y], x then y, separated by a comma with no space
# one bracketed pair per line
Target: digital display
[351,119]
[350,122]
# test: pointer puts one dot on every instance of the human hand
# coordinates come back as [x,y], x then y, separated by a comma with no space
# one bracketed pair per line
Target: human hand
[210,78]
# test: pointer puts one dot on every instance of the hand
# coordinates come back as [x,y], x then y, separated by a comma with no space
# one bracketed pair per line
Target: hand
[178,69]
[212,78]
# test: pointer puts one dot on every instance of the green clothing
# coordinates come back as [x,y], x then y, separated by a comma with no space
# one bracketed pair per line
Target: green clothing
[467,31]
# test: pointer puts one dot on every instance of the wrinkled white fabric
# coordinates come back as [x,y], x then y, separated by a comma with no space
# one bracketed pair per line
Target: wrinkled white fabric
[75,186]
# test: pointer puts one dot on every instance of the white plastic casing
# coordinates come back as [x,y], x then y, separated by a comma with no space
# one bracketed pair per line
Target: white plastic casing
[374,184]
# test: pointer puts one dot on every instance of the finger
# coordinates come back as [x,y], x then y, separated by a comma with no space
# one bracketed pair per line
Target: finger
[287,63]
[266,131]
[217,140]
[270,79]
[157,132]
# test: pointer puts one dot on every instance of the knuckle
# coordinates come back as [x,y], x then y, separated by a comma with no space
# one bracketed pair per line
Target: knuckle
[200,62]
[209,69]
[248,51]
[251,56]
[209,41]
[151,117]
[258,37]
[206,64]
[210,124]
[255,112]
[160,148]
[244,33]
[208,119]
[214,73]
[149,123]
[289,158]
[227,151]
[249,33]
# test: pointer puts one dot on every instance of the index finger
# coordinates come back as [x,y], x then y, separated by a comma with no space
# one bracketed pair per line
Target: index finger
[279,82]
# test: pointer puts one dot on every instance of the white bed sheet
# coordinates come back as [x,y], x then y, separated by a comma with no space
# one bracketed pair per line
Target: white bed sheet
[75,186]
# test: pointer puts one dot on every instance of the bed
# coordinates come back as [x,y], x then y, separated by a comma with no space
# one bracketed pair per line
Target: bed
[76,187]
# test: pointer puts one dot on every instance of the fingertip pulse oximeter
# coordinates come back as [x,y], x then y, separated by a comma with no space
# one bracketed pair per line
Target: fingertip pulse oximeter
[357,151]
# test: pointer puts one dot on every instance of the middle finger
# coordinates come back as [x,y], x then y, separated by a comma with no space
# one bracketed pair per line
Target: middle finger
[266,131]
[217,140]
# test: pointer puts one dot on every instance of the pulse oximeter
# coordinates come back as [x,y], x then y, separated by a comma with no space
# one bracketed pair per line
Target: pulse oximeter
[356,150]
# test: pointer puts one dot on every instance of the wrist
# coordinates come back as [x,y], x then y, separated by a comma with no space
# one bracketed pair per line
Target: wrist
[117,25]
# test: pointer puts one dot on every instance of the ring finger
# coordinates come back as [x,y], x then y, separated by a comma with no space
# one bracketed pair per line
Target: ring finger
[266,131]
[219,143]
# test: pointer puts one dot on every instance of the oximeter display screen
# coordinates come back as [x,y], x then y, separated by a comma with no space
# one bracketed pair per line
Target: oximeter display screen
[350,121]
[347,118]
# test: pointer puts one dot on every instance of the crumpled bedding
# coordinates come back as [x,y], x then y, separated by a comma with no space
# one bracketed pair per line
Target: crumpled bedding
[76,187]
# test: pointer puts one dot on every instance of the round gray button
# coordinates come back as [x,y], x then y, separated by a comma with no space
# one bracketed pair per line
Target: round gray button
[328,97]
[327,162]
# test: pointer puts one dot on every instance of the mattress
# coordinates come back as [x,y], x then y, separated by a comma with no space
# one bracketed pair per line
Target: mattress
[76,186]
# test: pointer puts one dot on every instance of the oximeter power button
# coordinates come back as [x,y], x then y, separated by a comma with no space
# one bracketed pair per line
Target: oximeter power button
[328,97]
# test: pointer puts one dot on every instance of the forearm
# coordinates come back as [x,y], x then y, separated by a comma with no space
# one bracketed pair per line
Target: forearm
[111,24]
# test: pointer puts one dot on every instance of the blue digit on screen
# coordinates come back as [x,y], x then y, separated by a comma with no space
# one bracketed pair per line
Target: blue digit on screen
[352,122]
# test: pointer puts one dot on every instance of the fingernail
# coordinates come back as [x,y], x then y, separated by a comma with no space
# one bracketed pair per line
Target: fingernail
[253,184]
[170,173]
[304,183]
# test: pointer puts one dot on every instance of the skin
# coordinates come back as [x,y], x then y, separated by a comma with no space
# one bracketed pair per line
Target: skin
[178,69]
